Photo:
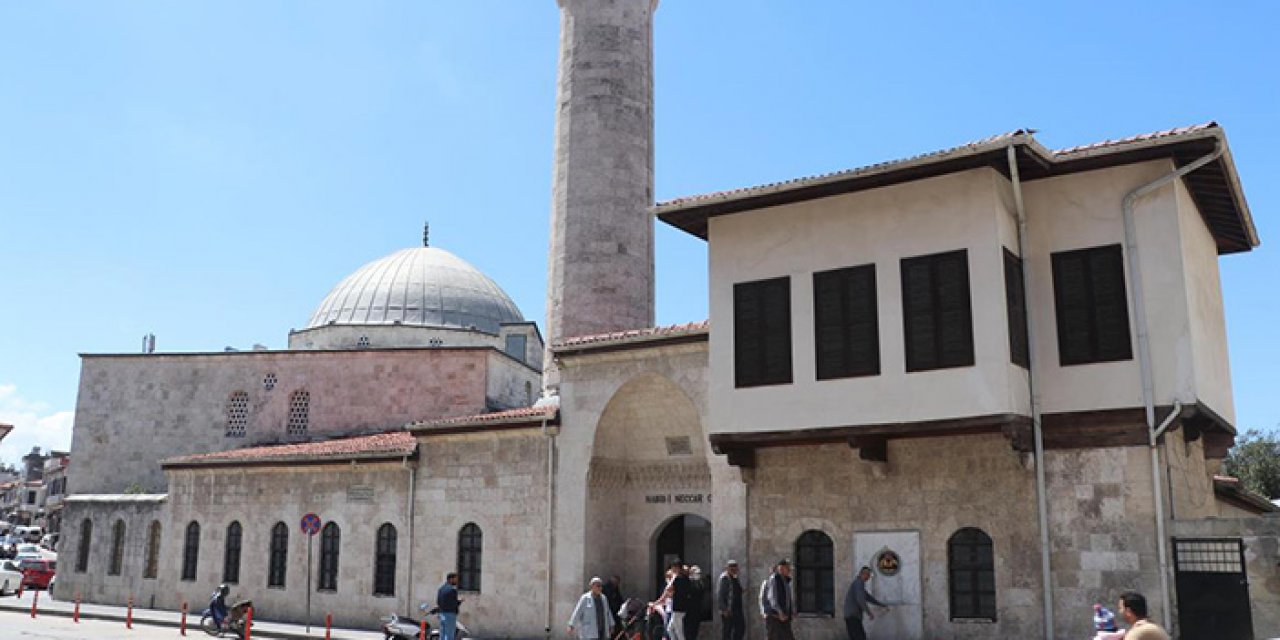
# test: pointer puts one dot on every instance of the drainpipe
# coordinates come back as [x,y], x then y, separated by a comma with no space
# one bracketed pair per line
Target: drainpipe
[550,432]
[413,487]
[1144,355]
[1042,500]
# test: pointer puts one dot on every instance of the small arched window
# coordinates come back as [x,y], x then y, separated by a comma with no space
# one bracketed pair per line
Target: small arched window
[117,549]
[815,573]
[279,555]
[971,569]
[191,551]
[231,556]
[237,414]
[86,542]
[150,570]
[299,413]
[470,550]
[384,561]
[330,543]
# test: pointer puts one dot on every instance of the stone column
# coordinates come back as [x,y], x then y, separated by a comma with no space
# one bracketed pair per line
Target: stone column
[600,276]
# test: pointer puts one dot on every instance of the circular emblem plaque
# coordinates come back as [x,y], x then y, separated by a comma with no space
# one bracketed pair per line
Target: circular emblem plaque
[888,563]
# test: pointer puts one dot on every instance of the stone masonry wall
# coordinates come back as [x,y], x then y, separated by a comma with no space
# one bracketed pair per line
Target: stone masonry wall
[934,486]
[95,584]
[134,411]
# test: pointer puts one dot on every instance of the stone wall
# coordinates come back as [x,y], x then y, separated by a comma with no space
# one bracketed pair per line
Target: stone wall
[135,410]
[1261,536]
[933,486]
[95,584]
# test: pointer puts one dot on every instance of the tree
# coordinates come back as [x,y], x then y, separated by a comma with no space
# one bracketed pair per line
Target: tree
[1255,460]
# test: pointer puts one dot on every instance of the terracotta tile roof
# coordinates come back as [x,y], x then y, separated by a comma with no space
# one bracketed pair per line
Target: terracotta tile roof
[1142,137]
[382,445]
[635,335]
[522,415]
[1231,487]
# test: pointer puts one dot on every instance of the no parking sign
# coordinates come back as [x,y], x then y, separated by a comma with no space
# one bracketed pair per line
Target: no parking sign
[311,524]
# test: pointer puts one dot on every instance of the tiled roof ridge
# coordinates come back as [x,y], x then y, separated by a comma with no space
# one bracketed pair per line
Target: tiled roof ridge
[396,441]
[506,415]
[1025,134]
[646,332]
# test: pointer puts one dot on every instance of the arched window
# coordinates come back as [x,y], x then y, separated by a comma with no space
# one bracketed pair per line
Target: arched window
[384,561]
[470,543]
[86,541]
[117,549]
[231,556]
[153,551]
[971,565]
[815,573]
[299,413]
[330,541]
[237,414]
[279,555]
[191,551]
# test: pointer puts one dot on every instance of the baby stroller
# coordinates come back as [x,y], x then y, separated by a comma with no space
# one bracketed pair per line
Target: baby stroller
[631,620]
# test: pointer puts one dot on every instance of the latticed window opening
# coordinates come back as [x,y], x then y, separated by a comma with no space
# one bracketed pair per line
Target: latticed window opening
[363,342]
[279,555]
[470,549]
[971,564]
[237,414]
[299,413]
[269,381]
[191,551]
[231,555]
[384,564]
[815,574]
[330,544]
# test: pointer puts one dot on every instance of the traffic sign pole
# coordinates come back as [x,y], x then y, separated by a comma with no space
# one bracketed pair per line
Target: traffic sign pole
[310,526]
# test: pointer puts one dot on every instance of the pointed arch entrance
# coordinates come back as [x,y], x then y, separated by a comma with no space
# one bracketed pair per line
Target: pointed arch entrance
[685,538]
[648,473]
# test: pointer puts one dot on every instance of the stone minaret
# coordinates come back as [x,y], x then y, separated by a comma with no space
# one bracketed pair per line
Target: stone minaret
[600,276]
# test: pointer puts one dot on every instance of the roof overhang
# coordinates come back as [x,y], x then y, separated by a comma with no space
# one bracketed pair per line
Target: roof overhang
[523,418]
[1215,187]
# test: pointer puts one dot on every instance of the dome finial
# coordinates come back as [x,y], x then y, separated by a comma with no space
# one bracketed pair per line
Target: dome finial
[426,234]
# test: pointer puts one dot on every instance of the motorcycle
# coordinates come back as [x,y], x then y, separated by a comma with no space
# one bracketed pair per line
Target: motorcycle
[397,627]
[234,622]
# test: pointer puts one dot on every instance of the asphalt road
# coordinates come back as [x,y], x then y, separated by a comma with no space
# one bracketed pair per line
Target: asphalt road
[16,626]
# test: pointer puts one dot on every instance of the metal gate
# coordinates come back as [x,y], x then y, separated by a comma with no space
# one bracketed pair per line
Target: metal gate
[1213,590]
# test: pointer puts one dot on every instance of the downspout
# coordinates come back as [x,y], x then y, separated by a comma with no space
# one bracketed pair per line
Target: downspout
[1144,357]
[1042,500]
[550,432]
[413,487]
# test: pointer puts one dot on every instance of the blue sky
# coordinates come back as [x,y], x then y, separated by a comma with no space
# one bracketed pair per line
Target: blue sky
[206,171]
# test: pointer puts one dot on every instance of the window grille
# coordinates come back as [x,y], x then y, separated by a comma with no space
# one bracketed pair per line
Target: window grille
[269,381]
[191,551]
[153,551]
[815,573]
[237,414]
[363,342]
[279,555]
[86,541]
[231,555]
[299,413]
[971,565]
[384,563]
[330,542]
[117,549]
[470,549]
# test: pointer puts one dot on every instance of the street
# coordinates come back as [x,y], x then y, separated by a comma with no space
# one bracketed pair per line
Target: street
[17,625]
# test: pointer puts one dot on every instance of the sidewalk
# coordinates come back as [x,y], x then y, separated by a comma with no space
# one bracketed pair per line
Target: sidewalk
[47,606]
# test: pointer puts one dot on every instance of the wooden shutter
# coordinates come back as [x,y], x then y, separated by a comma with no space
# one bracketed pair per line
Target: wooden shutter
[1091,305]
[1016,307]
[762,332]
[846,323]
[936,311]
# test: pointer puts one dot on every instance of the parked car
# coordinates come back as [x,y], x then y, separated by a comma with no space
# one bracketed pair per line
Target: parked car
[10,577]
[30,534]
[37,574]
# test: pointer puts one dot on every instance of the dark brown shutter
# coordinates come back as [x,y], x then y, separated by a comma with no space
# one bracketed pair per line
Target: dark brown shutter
[762,332]
[846,323]
[1091,305]
[1016,307]
[937,314]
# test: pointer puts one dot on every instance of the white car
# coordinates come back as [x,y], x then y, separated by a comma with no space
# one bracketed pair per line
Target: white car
[10,577]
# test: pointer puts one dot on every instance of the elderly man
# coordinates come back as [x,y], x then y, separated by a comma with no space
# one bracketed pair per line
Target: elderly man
[591,619]
[856,601]
[778,603]
[729,600]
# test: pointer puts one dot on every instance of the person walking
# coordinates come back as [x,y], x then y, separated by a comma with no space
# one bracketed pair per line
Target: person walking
[778,603]
[679,595]
[856,601]
[448,602]
[613,593]
[591,618]
[1133,608]
[729,601]
[697,604]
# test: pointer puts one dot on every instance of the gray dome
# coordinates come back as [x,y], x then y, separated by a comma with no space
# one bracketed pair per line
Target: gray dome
[423,286]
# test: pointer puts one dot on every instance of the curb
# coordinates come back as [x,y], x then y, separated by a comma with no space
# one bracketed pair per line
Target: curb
[191,626]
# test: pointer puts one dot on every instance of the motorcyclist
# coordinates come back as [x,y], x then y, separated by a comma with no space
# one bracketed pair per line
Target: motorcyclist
[218,605]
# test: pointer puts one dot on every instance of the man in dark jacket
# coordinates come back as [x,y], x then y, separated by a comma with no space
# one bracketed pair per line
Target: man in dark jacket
[729,601]
[778,603]
[448,601]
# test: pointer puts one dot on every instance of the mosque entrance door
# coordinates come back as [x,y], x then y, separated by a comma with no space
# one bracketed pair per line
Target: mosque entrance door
[686,538]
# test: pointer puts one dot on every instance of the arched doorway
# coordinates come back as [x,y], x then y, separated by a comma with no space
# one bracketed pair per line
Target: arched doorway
[685,538]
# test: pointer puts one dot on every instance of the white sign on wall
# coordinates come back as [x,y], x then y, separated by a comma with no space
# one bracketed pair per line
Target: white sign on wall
[894,558]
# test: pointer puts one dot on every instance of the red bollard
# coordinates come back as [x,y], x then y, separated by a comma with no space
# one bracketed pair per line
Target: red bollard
[182,626]
[35,597]
[128,618]
[328,624]
[248,624]
[19,589]
[75,615]
[422,633]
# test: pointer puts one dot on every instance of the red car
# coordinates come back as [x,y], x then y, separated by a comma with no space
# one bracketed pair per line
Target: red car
[36,574]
